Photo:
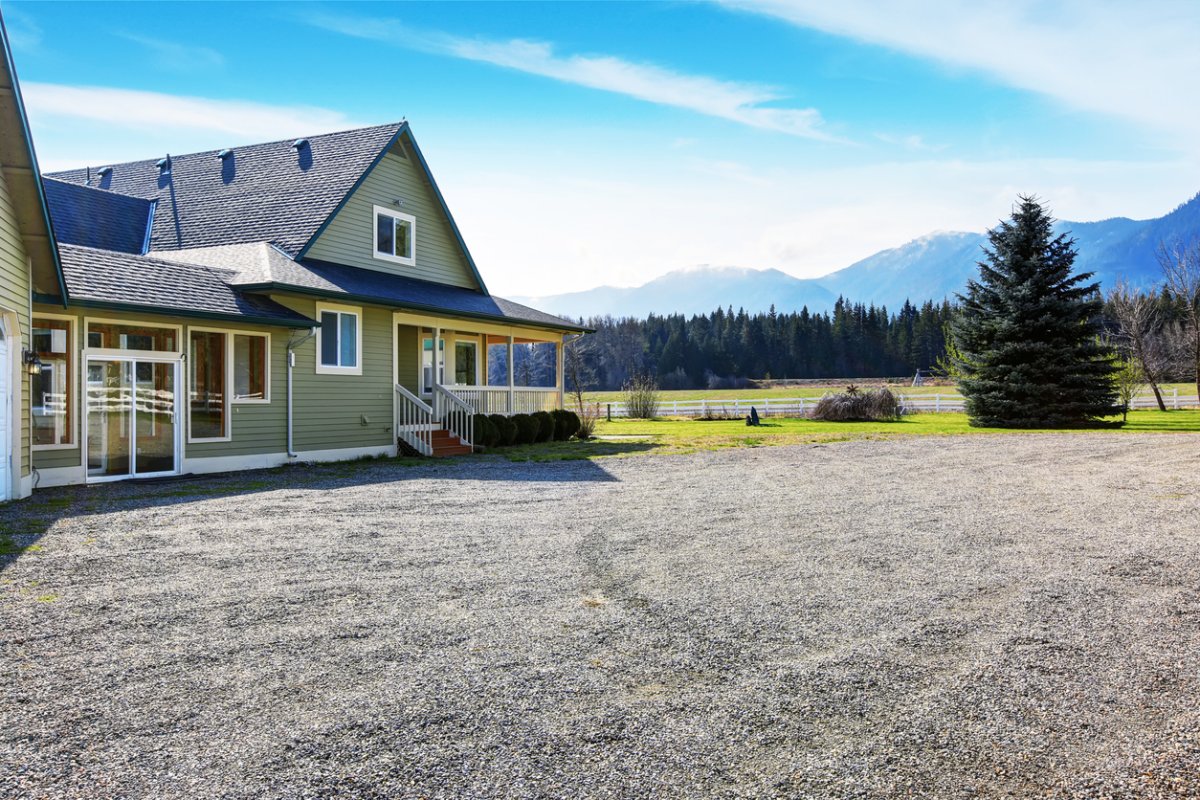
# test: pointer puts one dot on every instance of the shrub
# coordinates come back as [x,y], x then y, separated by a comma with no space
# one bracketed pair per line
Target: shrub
[527,428]
[641,398]
[545,425]
[506,431]
[562,424]
[855,405]
[486,434]
[587,421]
[572,423]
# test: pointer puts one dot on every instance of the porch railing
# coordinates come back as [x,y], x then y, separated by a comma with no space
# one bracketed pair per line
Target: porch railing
[414,421]
[497,399]
[455,415]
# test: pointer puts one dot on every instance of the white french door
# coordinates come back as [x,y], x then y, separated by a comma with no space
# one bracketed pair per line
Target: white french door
[132,418]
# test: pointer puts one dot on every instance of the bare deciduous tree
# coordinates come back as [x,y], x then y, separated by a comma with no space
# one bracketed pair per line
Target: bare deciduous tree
[1142,335]
[1180,264]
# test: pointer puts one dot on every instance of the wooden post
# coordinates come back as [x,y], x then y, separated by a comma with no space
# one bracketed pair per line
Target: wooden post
[558,369]
[510,375]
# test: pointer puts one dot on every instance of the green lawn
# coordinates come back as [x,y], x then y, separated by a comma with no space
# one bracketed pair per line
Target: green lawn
[816,391]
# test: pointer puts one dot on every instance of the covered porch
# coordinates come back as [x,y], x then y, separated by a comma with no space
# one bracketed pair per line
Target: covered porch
[448,370]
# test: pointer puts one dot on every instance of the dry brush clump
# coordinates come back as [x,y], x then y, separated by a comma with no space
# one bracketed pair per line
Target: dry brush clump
[853,405]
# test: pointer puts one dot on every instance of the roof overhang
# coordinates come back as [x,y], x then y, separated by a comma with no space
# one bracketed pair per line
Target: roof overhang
[135,308]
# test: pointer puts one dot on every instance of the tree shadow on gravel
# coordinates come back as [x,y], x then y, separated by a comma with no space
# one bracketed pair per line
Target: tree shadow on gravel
[23,523]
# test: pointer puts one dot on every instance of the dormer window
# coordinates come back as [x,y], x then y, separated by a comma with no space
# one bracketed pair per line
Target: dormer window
[395,236]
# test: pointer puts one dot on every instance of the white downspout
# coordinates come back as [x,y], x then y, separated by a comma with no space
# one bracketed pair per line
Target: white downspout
[291,365]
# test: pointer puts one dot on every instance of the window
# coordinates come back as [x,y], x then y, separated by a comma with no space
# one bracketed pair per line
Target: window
[207,410]
[250,368]
[52,394]
[395,236]
[339,345]
[119,336]
[427,364]
[464,363]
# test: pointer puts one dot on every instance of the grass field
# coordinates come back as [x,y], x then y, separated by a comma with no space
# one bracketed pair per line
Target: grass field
[814,390]
[678,436]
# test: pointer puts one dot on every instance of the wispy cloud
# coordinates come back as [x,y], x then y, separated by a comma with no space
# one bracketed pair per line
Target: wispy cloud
[176,55]
[743,103]
[914,142]
[88,124]
[23,30]
[1138,61]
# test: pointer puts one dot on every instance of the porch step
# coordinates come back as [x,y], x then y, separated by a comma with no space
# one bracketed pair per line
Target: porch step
[446,444]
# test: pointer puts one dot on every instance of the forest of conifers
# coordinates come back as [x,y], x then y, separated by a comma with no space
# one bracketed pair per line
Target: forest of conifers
[722,349]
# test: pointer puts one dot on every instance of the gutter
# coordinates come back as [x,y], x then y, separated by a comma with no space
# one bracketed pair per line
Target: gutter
[134,308]
[291,365]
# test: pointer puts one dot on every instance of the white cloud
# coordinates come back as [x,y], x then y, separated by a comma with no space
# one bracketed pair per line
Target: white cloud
[177,56]
[1137,61]
[76,125]
[743,103]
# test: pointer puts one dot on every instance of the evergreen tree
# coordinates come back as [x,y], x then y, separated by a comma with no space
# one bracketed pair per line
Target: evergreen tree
[1027,336]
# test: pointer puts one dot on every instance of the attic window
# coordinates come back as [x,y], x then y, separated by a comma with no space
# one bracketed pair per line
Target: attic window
[395,236]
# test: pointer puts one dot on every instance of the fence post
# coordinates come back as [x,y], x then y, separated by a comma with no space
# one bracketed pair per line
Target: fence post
[1175,402]
[609,411]
[937,403]
[766,406]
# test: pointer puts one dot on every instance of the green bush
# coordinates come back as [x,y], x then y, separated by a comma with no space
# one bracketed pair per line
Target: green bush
[506,431]
[545,425]
[486,434]
[527,428]
[562,424]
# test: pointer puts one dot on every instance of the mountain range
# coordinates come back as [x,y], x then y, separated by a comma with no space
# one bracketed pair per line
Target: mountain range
[932,267]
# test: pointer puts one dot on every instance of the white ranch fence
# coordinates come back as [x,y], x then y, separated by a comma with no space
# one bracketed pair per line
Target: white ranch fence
[803,406]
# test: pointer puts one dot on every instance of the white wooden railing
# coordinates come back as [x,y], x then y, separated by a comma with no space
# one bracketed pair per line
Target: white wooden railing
[455,415]
[414,421]
[802,406]
[498,400]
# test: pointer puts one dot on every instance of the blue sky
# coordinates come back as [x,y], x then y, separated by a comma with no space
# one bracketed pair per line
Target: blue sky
[588,143]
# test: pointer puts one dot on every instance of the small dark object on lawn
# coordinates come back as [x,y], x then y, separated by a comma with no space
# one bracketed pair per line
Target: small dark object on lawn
[752,420]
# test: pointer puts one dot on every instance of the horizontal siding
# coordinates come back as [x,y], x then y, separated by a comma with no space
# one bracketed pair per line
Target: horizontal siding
[350,237]
[407,359]
[14,296]
[328,410]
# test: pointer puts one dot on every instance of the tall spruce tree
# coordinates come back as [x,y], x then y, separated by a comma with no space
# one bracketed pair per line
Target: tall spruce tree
[1027,335]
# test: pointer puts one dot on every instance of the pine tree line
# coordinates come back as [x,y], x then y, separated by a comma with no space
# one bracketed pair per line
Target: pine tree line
[725,348]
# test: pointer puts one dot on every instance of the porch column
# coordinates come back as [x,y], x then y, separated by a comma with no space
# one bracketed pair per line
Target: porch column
[510,374]
[558,369]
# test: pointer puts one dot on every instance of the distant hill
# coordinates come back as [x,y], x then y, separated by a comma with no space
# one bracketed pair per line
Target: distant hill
[932,267]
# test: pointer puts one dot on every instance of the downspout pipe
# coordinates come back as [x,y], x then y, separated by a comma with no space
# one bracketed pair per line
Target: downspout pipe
[291,365]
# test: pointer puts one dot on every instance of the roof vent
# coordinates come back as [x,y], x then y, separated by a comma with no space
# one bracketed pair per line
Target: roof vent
[300,144]
[164,164]
[104,172]
[224,154]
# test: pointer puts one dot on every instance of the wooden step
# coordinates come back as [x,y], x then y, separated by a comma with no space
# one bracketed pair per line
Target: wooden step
[451,450]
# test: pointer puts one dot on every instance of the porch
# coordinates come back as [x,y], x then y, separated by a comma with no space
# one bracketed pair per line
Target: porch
[449,370]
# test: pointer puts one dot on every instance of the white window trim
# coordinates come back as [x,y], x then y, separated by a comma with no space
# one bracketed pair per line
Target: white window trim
[251,401]
[323,369]
[187,380]
[181,346]
[72,380]
[410,219]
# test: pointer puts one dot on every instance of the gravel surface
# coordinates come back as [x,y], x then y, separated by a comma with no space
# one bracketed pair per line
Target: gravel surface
[1006,616]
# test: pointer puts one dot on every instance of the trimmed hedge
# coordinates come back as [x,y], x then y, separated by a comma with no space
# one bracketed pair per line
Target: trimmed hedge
[545,425]
[486,434]
[506,431]
[527,428]
[566,424]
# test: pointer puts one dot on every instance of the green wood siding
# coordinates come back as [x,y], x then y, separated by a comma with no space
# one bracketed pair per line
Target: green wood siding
[408,365]
[14,296]
[329,409]
[350,237]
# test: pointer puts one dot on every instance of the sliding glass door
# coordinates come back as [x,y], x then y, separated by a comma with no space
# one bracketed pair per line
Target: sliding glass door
[132,426]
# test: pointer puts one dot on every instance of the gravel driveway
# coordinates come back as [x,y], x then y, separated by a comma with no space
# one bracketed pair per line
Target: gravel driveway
[1005,616]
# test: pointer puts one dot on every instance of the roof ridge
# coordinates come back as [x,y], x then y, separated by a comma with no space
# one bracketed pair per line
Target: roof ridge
[48,177]
[148,256]
[394,126]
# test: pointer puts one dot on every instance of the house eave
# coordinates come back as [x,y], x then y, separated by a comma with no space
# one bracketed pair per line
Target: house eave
[135,308]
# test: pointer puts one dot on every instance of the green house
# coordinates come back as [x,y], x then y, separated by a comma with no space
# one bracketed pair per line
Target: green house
[302,300]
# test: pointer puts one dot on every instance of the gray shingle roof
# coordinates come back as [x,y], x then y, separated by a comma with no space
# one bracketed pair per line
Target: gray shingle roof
[97,218]
[127,280]
[268,192]
[262,265]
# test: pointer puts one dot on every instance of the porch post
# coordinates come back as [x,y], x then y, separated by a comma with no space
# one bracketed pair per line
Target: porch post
[433,373]
[558,369]
[510,374]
